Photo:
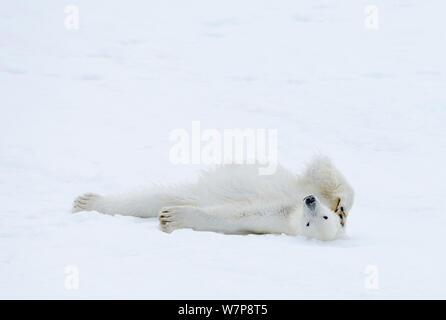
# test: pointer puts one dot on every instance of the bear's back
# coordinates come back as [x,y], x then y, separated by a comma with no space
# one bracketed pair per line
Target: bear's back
[243,183]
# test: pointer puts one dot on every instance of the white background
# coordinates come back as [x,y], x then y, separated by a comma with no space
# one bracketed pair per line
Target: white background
[92,110]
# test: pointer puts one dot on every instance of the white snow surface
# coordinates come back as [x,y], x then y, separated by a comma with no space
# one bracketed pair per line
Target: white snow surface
[92,110]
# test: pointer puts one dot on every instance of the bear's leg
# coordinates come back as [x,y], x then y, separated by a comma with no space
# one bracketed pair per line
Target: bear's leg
[323,178]
[229,219]
[139,204]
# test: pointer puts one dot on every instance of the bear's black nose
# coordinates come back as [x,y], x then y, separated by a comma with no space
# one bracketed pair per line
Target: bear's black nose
[310,200]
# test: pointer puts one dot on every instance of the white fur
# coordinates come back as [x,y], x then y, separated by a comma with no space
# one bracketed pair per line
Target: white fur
[235,199]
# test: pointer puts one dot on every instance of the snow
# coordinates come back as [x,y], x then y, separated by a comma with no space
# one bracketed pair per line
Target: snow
[92,110]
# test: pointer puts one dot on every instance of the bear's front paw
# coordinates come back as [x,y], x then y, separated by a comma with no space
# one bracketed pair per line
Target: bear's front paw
[170,219]
[177,217]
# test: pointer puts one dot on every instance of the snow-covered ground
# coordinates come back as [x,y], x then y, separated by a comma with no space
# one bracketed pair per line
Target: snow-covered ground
[92,110]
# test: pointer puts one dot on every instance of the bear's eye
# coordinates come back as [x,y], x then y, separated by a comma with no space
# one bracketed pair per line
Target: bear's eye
[308,224]
[325,217]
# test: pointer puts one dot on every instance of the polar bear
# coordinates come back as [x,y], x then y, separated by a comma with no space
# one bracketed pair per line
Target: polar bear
[235,199]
